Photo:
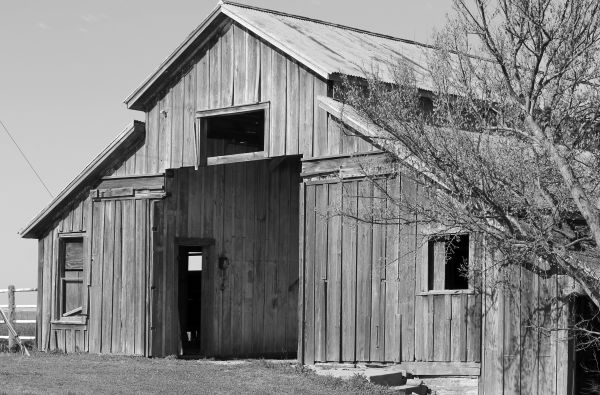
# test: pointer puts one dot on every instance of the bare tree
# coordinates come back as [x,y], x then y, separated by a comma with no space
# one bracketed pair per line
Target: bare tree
[508,130]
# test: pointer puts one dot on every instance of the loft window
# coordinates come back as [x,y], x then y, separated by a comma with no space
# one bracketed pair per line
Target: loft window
[232,134]
[448,262]
[71,276]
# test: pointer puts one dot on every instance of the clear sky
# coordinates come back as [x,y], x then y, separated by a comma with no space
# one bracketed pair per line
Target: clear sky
[67,65]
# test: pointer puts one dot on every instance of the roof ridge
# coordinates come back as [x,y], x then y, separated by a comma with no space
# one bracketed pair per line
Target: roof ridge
[322,22]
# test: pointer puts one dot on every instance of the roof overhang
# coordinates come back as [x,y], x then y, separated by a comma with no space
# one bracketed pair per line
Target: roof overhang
[126,140]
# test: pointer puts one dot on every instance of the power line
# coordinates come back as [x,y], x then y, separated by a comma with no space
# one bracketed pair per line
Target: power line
[26,160]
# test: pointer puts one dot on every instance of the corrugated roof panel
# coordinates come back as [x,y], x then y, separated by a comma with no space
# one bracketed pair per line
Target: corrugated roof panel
[334,48]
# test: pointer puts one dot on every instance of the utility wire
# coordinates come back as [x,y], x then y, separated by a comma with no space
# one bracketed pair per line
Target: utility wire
[26,160]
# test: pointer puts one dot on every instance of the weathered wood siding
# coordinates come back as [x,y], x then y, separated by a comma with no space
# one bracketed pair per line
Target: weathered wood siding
[70,338]
[362,283]
[119,277]
[234,68]
[525,346]
[115,233]
[250,210]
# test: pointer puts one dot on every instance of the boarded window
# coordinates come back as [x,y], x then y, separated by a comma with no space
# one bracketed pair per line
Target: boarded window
[448,262]
[71,280]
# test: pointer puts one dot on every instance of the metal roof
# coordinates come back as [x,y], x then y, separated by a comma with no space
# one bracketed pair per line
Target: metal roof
[331,48]
[326,48]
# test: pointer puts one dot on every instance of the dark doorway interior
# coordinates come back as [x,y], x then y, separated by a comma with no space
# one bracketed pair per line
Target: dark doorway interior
[192,261]
[587,350]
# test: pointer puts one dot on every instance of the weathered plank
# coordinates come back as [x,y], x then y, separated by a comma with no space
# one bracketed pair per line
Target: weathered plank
[292,109]
[377,346]
[320,120]
[189,117]
[107,275]
[164,146]
[349,234]
[310,276]
[321,273]
[117,278]
[363,271]
[334,273]
[278,105]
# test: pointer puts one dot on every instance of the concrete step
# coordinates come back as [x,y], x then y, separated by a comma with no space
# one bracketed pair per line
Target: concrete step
[408,389]
[386,377]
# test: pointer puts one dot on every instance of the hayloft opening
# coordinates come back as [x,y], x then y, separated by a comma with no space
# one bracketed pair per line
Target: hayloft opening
[233,133]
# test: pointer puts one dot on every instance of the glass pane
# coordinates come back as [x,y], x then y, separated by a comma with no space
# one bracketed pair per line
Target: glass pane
[194,263]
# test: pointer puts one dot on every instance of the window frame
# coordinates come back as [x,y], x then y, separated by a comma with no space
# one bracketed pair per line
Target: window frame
[432,235]
[59,315]
[201,134]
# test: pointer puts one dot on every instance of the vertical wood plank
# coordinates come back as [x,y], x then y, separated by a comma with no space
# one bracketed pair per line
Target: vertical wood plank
[278,104]
[363,272]
[203,81]
[153,139]
[164,145]
[214,73]
[529,332]
[291,243]
[306,114]
[107,275]
[157,312]
[239,59]
[253,57]
[189,117]
[321,273]
[95,318]
[334,274]
[349,297]
[178,97]
[117,286]
[293,108]
[512,331]
[229,59]
[320,120]
[377,346]
[310,273]
[141,213]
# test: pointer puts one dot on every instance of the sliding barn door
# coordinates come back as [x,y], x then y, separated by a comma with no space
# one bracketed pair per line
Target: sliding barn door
[120,270]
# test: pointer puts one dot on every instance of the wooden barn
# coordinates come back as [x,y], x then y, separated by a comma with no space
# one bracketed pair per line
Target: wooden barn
[203,230]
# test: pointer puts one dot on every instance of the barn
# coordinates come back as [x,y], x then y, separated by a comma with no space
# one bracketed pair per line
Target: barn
[202,231]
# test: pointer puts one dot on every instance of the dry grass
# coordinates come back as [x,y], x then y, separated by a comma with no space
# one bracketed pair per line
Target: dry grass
[83,373]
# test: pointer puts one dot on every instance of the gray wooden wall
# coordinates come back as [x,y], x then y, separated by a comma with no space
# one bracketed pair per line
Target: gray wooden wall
[235,68]
[250,210]
[363,283]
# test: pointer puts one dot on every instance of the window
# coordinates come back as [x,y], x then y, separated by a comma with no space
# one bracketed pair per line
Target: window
[71,276]
[448,262]
[232,134]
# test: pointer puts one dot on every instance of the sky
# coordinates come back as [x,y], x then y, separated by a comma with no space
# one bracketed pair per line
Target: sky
[67,65]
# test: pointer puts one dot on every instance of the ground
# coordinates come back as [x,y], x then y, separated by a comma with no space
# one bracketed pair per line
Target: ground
[83,373]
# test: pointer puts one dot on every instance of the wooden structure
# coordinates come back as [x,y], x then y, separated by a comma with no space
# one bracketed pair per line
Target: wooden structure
[239,160]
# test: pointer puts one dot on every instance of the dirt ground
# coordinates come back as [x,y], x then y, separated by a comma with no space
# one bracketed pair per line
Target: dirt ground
[83,373]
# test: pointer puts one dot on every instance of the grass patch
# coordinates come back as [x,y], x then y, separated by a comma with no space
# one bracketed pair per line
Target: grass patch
[85,373]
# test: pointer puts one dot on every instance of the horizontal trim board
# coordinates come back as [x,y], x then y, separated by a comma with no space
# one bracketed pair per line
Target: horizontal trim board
[240,109]
[4,291]
[447,292]
[20,337]
[154,181]
[236,158]
[21,322]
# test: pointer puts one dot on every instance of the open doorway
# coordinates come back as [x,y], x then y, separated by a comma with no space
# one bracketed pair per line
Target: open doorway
[586,321]
[192,260]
